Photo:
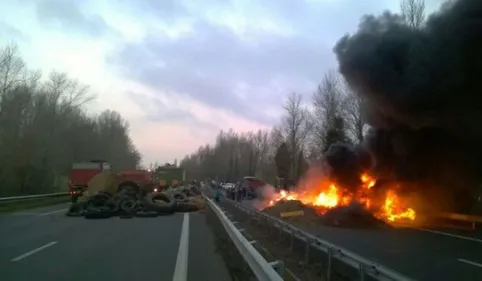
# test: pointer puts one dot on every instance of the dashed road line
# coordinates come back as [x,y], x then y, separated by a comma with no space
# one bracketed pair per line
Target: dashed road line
[452,235]
[471,262]
[36,250]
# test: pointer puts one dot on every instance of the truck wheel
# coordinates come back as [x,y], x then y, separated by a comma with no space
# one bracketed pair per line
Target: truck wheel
[75,210]
[129,187]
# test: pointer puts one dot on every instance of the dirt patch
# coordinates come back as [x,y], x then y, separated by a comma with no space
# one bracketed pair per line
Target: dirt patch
[352,216]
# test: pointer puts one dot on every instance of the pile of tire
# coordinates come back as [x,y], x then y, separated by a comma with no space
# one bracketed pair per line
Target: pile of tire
[129,203]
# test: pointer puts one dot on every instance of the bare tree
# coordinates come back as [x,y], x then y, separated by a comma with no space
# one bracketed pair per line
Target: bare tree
[44,129]
[327,110]
[352,110]
[413,12]
[297,124]
[12,67]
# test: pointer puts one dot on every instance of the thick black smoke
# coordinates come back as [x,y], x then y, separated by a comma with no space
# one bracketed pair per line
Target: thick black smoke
[422,93]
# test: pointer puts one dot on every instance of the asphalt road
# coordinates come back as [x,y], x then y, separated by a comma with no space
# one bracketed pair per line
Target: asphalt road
[421,254]
[44,244]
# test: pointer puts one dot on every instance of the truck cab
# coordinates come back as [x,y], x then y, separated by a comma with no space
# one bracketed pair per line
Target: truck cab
[81,173]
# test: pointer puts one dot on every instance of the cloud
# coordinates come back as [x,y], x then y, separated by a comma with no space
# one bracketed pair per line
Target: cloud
[70,16]
[215,66]
[180,70]
[11,33]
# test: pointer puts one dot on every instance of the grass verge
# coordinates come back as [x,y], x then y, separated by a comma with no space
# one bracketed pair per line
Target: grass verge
[238,268]
[299,265]
[9,207]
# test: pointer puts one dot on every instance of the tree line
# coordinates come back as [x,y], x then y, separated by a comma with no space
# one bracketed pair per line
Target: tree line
[44,128]
[304,133]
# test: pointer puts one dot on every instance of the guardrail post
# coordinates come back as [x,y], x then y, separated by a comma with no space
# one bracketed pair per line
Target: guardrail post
[307,252]
[362,272]
[328,266]
[280,235]
[292,241]
[278,266]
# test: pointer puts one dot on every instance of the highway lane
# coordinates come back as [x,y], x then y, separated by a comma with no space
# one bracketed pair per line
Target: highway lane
[47,245]
[422,254]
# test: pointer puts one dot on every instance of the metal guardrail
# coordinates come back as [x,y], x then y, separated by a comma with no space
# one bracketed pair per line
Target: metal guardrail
[30,197]
[364,266]
[262,269]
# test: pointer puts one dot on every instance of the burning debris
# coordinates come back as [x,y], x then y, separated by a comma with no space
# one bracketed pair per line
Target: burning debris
[422,98]
[323,201]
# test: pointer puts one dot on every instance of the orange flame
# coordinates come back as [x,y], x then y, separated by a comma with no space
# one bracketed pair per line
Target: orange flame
[324,194]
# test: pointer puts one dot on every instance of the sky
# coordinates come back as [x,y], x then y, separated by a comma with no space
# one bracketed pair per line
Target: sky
[179,71]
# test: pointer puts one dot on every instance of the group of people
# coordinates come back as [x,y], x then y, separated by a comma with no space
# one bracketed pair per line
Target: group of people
[238,192]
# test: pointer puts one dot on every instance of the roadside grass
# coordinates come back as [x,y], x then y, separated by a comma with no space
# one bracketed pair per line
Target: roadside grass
[10,207]
[237,267]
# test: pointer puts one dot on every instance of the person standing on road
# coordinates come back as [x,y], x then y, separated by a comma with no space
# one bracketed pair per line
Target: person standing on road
[217,194]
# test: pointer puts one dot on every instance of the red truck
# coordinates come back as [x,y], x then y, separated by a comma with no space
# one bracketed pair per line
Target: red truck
[82,172]
[253,186]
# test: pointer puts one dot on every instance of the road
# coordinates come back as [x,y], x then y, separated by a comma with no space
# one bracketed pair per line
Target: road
[421,254]
[44,244]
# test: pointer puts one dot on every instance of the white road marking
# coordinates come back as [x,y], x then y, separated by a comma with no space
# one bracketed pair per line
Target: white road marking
[180,271]
[21,257]
[471,262]
[452,235]
[53,212]
[24,214]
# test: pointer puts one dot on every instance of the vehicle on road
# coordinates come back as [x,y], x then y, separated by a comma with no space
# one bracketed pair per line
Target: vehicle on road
[253,186]
[168,175]
[81,173]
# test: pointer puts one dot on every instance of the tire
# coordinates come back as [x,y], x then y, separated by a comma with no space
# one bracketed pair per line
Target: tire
[97,214]
[179,196]
[126,216]
[127,205]
[158,202]
[147,214]
[129,187]
[75,210]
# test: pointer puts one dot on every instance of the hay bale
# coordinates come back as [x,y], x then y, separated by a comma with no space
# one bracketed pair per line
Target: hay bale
[105,182]
[198,201]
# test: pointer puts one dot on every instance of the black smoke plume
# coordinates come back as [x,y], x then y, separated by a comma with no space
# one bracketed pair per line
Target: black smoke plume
[422,93]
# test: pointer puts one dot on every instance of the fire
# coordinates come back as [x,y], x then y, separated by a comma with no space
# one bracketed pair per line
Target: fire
[324,194]
[391,209]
